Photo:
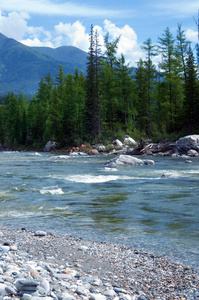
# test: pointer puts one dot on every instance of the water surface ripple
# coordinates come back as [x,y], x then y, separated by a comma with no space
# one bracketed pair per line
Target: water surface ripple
[79,196]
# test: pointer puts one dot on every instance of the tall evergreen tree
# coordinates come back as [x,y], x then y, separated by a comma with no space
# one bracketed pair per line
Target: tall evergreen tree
[150,76]
[191,94]
[93,108]
[182,48]
[172,84]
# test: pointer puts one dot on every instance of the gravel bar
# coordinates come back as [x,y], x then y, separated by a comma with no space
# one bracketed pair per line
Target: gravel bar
[37,265]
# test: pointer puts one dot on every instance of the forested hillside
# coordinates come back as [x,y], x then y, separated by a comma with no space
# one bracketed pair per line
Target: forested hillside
[21,67]
[155,102]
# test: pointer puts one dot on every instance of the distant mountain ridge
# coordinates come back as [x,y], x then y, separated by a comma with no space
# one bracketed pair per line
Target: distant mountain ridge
[21,67]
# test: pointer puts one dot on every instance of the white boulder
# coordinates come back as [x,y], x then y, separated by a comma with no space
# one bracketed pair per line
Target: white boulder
[188,142]
[127,160]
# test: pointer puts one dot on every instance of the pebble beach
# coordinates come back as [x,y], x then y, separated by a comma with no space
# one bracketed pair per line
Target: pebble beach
[38,265]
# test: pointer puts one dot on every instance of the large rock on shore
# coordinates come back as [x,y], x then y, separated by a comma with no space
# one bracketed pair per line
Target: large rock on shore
[51,145]
[189,142]
[127,160]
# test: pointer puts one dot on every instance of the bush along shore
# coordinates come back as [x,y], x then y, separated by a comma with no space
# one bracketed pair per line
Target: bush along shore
[36,265]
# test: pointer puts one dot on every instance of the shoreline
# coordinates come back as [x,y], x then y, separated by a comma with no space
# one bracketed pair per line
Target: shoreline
[74,268]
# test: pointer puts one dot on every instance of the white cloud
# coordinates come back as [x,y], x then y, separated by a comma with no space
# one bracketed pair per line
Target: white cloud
[14,25]
[66,8]
[192,35]
[37,43]
[128,44]
[75,33]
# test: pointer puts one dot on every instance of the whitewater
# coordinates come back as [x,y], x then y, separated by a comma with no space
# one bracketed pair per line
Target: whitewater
[150,207]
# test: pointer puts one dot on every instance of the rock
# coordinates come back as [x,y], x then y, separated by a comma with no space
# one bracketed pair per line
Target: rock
[187,143]
[81,290]
[51,145]
[4,248]
[67,296]
[40,233]
[26,285]
[118,143]
[110,293]
[129,141]
[127,160]
[2,288]
[192,153]
[100,148]
[11,290]
[93,152]
[124,297]
[45,285]
[97,297]
[96,282]
[82,248]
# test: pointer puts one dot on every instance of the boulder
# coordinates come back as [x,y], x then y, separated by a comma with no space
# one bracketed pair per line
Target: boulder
[192,153]
[93,152]
[189,142]
[129,141]
[127,160]
[51,145]
[118,143]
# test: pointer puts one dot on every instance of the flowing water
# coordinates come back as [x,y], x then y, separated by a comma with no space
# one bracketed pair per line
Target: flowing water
[80,196]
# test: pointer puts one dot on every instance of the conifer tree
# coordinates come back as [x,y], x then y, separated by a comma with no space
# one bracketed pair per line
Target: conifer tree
[191,94]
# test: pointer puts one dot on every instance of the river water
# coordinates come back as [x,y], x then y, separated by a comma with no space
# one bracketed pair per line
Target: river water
[80,196]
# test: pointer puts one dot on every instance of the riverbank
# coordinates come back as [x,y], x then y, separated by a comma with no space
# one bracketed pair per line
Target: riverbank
[50,266]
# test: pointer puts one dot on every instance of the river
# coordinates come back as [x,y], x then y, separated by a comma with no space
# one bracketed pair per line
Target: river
[80,196]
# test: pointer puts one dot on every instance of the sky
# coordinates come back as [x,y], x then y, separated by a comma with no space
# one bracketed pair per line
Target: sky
[55,23]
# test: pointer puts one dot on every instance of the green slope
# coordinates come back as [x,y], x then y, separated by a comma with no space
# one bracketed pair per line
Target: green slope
[21,67]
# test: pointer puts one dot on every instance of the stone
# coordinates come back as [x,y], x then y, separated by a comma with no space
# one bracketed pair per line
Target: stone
[93,152]
[100,148]
[26,285]
[50,145]
[127,160]
[45,285]
[184,144]
[67,296]
[81,290]
[192,153]
[129,141]
[110,293]
[96,282]
[11,290]
[97,297]
[124,297]
[2,288]
[82,248]
[26,297]
[118,143]
[4,248]
[40,233]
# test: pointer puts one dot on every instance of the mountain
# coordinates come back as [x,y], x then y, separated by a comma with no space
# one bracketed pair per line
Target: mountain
[21,67]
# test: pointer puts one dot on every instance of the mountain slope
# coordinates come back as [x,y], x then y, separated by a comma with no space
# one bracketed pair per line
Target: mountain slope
[21,67]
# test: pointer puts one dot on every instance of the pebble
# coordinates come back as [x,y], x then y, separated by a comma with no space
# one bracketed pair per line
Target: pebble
[40,233]
[86,270]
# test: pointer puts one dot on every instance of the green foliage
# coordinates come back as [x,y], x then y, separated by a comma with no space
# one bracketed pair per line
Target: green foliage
[111,101]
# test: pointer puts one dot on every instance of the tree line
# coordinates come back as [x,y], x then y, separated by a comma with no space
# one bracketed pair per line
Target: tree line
[113,99]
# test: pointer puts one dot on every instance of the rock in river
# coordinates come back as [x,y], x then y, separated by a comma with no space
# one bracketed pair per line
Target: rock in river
[127,160]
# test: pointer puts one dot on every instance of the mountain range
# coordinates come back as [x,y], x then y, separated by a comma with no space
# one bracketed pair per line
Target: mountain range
[22,67]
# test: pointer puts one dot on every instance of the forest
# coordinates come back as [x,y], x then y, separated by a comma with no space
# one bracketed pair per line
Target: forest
[148,101]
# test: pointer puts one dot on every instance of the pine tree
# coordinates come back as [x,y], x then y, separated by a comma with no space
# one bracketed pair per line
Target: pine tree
[93,107]
[191,94]
[171,84]
[150,76]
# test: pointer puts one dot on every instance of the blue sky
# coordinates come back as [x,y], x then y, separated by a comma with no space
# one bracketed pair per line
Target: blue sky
[55,23]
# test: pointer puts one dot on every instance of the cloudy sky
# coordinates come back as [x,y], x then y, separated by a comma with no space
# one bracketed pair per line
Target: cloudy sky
[55,23]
